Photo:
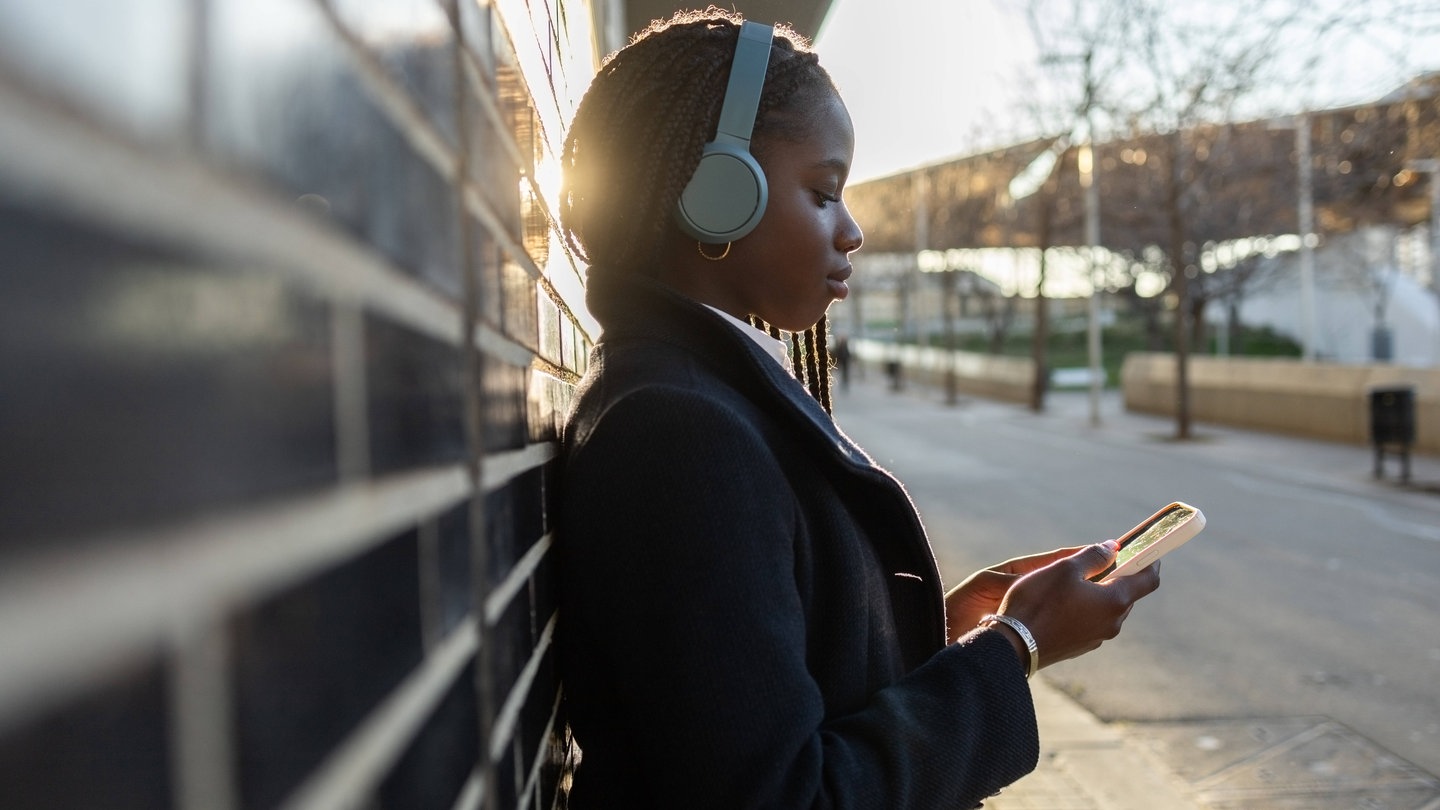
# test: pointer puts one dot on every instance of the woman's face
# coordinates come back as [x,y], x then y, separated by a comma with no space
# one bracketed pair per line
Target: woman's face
[797,260]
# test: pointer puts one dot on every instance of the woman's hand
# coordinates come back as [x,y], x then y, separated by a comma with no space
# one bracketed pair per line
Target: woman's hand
[1067,613]
[982,593]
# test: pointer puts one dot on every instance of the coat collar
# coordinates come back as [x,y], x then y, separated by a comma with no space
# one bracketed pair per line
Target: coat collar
[629,305]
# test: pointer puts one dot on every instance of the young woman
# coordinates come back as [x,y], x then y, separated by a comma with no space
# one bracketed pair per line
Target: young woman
[751,614]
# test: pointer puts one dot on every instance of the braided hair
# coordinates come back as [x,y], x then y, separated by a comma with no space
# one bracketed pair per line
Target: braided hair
[639,133]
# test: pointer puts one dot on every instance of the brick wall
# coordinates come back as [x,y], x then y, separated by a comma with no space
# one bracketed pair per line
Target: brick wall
[285,333]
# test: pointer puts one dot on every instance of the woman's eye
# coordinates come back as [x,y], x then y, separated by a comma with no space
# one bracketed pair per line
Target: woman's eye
[825,197]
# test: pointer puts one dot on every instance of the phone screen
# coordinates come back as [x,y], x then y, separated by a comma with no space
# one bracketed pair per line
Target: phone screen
[1155,529]
[1146,535]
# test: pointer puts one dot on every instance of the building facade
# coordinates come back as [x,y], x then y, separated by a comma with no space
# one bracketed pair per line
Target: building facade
[285,338]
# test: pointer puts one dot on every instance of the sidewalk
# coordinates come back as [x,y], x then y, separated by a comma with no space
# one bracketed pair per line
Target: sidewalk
[1087,764]
[1331,465]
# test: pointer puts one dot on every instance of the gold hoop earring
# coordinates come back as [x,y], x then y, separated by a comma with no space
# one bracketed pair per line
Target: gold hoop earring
[700,246]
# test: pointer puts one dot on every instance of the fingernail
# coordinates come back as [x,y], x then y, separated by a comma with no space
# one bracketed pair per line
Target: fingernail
[1111,545]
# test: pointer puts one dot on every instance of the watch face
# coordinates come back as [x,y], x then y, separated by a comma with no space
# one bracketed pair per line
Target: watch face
[1164,523]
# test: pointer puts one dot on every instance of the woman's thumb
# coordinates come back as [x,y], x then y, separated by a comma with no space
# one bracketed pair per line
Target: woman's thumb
[1095,559]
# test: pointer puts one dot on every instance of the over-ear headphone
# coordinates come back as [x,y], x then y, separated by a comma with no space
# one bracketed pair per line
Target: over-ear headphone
[726,195]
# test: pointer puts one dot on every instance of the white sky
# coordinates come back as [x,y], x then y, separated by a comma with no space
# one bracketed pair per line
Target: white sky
[890,56]
[887,56]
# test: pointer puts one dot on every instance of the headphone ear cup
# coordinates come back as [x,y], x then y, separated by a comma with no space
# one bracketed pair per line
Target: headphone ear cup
[726,196]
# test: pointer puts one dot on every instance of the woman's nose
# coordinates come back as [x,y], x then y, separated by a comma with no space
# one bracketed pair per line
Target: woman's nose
[850,236]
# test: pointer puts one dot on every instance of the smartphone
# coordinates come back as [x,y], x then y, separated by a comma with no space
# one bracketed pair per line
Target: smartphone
[1156,536]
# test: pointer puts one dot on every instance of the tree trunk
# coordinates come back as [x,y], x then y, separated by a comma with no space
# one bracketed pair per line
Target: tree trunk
[1154,340]
[1232,323]
[1198,336]
[1038,349]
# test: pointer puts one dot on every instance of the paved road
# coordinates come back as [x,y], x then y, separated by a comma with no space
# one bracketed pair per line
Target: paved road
[1313,592]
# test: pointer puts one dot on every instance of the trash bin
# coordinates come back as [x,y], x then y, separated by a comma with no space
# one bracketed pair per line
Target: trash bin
[1392,425]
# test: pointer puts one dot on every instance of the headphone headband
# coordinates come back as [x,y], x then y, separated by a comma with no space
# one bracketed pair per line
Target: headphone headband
[747,80]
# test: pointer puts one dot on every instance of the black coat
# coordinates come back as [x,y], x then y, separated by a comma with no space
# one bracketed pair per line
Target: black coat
[750,612]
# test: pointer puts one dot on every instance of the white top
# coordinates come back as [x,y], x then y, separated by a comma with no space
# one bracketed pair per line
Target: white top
[774,348]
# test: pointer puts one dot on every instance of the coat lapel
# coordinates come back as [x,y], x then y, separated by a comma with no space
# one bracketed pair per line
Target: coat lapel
[628,305]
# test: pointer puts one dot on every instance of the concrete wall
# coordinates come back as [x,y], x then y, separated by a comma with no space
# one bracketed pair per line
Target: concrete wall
[1004,378]
[1354,273]
[285,334]
[1285,396]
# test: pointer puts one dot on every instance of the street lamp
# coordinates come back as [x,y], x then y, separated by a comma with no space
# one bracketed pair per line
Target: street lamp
[1431,166]
[1306,216]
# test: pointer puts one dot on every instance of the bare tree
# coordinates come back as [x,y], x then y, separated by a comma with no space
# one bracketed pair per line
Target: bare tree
[1198,69]
[1164,81]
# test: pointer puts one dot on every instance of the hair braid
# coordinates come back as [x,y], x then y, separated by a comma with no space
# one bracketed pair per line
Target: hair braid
[809,356]
[797,356]
[822,363]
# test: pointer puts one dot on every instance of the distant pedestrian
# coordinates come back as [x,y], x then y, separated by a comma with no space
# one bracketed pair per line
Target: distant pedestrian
[750,611]
[895,373]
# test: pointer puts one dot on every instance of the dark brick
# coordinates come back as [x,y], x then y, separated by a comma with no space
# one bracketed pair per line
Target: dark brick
[107,749]
[442,757]
[456,562]
[416,398]
[144,383]
[313,661]
[514,521]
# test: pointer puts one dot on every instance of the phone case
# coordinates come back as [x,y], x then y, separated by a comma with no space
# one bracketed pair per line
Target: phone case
[1158,535]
